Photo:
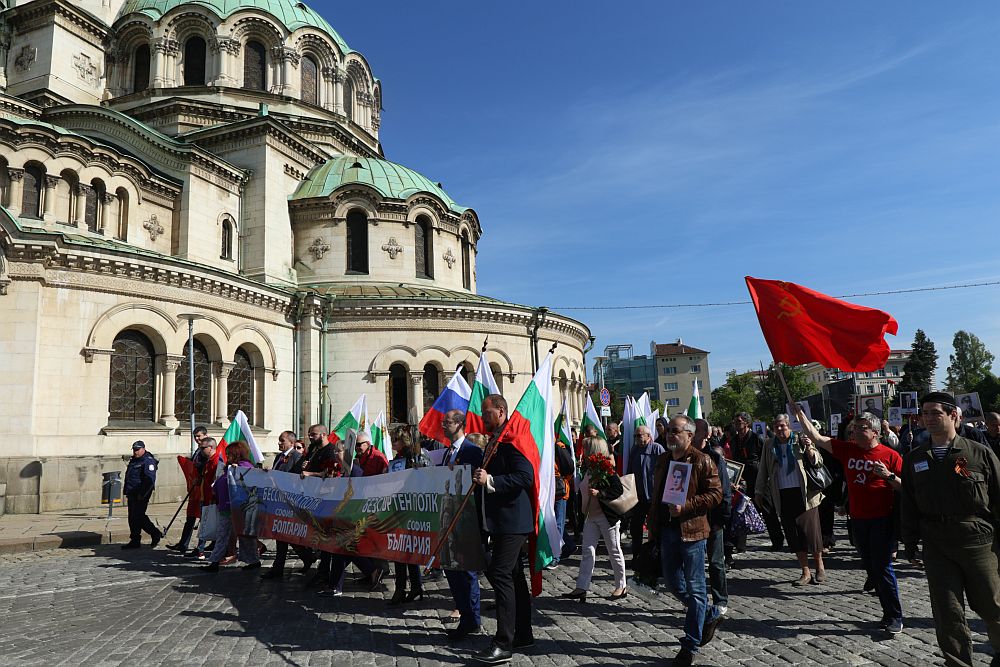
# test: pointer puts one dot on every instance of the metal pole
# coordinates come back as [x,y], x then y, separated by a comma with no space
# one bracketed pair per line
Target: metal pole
[191,377]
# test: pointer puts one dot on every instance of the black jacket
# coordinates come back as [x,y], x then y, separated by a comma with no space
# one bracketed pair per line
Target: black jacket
[140,475]
[564,468]
[508,506]
[613,492]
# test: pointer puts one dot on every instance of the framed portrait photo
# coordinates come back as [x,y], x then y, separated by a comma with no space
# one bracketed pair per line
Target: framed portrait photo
[735,471]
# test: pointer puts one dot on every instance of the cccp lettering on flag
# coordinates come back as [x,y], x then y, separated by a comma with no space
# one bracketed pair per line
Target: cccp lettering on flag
[396,516]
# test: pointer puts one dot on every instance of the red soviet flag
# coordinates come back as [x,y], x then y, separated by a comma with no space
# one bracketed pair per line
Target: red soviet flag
[801,326]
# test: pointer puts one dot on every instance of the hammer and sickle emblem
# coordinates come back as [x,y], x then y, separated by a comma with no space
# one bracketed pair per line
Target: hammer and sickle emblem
[861,478]
[790,307]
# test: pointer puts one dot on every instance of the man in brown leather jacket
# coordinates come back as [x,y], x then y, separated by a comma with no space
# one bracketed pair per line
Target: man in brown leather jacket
[682,530]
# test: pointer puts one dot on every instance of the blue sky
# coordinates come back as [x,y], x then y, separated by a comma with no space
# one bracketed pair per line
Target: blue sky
[660,152]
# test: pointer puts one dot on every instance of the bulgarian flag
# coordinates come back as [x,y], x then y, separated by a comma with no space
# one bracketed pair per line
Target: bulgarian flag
[380,436]
[590,418]
[563,433]
[352,423]
[239,429]
[481,388]
[529,430]
[694,407]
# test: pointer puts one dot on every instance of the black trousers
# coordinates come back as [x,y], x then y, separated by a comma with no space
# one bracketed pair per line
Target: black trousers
[137,519]
[404,572]
[281,554]
[510,588]
[186,532]
[635,523]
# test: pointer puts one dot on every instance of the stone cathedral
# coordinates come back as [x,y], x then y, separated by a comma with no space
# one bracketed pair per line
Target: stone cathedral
[219,162]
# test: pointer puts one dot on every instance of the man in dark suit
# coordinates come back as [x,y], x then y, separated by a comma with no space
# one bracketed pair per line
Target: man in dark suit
[288,459]
[508,481]
[464,585]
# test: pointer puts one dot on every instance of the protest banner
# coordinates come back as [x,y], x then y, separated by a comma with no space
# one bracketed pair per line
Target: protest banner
[396,516]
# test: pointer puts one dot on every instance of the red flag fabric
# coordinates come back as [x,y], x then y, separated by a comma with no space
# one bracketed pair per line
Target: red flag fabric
[801,326]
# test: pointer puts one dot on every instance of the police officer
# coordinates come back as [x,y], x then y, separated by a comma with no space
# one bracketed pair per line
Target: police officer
[951,500]
[140,479]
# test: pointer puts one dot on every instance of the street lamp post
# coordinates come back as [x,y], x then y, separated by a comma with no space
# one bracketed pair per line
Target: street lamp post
[191,317]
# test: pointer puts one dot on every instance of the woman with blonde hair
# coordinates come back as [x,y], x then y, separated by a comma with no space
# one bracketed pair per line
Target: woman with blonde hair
[602,486]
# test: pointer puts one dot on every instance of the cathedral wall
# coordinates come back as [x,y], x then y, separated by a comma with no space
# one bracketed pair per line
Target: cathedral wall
[205,206]
[59,58]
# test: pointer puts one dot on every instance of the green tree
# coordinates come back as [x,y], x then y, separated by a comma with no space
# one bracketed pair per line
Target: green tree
[989,392]
[738,394]
[919,369]
[970,363]
[771,399]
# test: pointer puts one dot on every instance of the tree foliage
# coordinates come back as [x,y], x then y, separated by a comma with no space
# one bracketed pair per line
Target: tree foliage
[970,363]
[989,392]
[919,369]
[771,399]
[738,394]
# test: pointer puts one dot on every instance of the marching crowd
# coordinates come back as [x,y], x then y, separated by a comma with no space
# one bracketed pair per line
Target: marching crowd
[933,484]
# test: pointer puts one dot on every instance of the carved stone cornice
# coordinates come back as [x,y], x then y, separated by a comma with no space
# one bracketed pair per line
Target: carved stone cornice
[108,197]
[222,369]
[230,46]
[82,190]
[166,46]
[172,362]
[15,174]
[286,54]
[51,181]
[89,353]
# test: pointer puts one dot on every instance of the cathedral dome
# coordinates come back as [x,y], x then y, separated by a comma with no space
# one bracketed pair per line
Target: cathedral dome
[292,14]
[392,180]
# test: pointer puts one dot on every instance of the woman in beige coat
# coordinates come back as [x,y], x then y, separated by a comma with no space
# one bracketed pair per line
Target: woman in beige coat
[782,475]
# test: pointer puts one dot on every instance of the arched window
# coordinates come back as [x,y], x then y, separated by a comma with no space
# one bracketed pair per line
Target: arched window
[497,375]
[91,212]
[241,378]
[202,386]
[122,194]
[140,68]
[399,396]
[310,89]
[31,199]
[255,66]
[357,242]
[466,261]
[132,383]
[194,62]
[349,98]
[432,385]
[424,247]
[227,239]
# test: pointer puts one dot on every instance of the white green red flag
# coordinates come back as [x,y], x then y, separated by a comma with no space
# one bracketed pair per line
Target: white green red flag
[632,418]
[239,429]
[590,418]
[694,407]
[562,429]
[352,423]
[529,429]
[380,436]
[483,386]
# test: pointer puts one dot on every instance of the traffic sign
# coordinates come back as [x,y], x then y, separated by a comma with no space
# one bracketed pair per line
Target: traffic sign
[605,396]
[605,411]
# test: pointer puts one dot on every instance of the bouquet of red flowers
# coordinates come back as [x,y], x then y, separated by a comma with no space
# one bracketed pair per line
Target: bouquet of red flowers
[599,468]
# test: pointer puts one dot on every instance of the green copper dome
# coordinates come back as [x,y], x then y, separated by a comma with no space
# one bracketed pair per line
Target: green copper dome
[392,180]
[293,15]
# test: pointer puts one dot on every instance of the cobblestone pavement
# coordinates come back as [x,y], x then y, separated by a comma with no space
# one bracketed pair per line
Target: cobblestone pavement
[103,606]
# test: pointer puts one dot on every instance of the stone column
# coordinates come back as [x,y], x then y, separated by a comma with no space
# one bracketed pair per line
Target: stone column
[327,100]
[229,49]
[16,177]
[49,198]
[169,387]
[82,191]
[416,410]
[156,64]
[222,371]
[339,76]
[4,51]
[106,200]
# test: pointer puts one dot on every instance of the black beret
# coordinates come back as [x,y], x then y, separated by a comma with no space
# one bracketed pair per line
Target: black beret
[939,397]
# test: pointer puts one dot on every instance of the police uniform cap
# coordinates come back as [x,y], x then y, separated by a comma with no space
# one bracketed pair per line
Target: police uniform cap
[941,397]
[138,444]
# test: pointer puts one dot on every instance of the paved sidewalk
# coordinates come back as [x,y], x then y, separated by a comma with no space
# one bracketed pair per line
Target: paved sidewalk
[76,528]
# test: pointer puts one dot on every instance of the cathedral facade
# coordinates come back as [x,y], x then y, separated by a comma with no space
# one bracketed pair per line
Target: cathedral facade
[217,164]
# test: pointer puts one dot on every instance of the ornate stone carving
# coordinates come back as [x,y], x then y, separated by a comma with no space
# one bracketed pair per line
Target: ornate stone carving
[450,258]
[26,58]
[167,46]
[90,352]
[392,247]
[108,197]
[230,46]
[52,181]
[223,368]
[86,70]
[153,226]
[171,363]
[82,190]
[319,248]
[283,53]
[15,174]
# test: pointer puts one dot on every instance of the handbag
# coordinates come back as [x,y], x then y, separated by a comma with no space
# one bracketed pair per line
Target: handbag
[209,522]
[746,520]
[624,503]
[647,564]
[818,477]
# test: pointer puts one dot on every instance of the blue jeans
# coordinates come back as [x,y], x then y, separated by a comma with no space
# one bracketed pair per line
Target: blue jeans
[875,541]
[560,509]
[684,570]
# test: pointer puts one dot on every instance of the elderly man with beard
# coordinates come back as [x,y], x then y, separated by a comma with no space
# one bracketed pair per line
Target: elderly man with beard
[872,471]
[682,531]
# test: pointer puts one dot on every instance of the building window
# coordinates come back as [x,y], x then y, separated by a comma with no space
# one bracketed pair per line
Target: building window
[140,68]
[202,386]
[895,370]
[424,247]
[310,89]
[695,368]
[122,195]
[432,385]
[240,386]
[697,382]
[194,62]
[227,239]
[466,261]
[254,66]
[670,370]
[669,386]
[90,211]
[132,382]
[31,198]
[673,402]
[349,98]
[357,242]
[871,389]
[398,389]
[497,376]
